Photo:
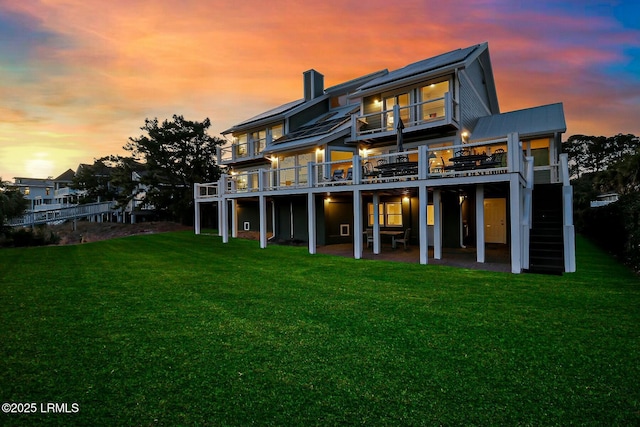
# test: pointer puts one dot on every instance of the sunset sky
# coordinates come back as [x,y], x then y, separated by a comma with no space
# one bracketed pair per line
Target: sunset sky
[79,77]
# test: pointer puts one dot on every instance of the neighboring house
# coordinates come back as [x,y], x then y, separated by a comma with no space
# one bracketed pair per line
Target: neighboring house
[424,147]
[47,193]
[604,200]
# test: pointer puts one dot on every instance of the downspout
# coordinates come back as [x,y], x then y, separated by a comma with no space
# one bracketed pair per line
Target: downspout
[291,219]
[273,221]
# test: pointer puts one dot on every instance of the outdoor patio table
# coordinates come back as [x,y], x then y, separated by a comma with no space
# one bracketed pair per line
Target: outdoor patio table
[469,161]
[391,233]
[398,168]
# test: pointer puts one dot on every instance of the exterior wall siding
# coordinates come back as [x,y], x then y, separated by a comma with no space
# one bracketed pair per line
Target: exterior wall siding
[471,105]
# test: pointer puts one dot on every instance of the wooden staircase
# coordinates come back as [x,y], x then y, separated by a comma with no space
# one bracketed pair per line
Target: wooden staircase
[546,243]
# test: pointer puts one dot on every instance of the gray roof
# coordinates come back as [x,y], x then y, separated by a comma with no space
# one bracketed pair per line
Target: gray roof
[267,114]
[536,121]
[424,66]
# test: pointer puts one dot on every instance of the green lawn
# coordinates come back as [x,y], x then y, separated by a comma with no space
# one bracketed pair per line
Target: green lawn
[177,329]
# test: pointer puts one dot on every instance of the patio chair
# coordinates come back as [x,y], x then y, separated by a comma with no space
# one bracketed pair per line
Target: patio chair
[405,239]
[349,174]
[369,234]
[338,175]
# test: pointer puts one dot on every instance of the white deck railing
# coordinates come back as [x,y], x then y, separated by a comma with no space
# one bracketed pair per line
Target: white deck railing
[434,111]
[62,214]
[357,170]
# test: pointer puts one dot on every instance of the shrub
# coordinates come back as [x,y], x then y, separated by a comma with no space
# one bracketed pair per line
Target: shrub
[615,228]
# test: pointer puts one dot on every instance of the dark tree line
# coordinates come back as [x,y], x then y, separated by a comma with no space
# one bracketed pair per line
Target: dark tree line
[608,165]
[166,160]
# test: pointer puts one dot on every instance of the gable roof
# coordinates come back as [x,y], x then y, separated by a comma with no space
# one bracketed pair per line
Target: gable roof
[269,115]
[429,65]
[530,122]
[66,176]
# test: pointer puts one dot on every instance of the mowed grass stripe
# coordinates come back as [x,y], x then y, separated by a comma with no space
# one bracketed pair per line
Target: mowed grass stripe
[178,329]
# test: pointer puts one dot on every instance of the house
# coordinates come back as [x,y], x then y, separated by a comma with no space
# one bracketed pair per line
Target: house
[423,148]
[604,200]
[46,193]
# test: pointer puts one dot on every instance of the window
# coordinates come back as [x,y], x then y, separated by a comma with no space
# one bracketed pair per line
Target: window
[432,103]
[430,215]
[291,165]
[402,101]
[259,139]
[390,214]
[540,151]
[276,132]
[27,190]
[241,145]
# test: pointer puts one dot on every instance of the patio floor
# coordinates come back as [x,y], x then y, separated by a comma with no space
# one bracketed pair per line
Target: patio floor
[497,257]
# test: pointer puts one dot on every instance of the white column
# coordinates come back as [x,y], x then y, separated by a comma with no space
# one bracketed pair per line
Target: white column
[437,225]
[376,222]
[514,222]
[224,210]
[357,224]
[423,227]
[234,218]
[221,190]
[311,215]
[262,206]
[480,223]
[196,209]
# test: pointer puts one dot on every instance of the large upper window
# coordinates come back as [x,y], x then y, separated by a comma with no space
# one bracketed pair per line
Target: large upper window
[539,149]
[432,102]
[292,166]
[402,101]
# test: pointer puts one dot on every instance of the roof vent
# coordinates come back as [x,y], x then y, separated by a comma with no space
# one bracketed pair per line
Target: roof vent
[313,84]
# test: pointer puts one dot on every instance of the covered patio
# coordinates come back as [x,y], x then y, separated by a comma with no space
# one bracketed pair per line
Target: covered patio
[496,256]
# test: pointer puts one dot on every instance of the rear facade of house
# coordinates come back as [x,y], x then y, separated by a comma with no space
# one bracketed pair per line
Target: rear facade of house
[423,148]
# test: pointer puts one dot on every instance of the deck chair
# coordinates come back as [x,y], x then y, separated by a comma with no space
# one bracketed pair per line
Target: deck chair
[338,175]
[369,233]
[405,239]
[349,174]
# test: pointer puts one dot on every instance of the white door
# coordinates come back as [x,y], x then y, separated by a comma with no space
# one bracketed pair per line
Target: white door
[495,219]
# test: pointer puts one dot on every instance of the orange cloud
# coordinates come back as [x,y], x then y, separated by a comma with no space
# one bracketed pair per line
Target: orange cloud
[105,69]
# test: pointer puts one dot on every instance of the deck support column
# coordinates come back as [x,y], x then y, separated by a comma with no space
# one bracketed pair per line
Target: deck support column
[196,209]
[423,227]
[221,186]
[437,224]
[262,205]
[234,218]
[311,214]
[376,223]
[480,255]
[357,224]
[515,206]
[224,214]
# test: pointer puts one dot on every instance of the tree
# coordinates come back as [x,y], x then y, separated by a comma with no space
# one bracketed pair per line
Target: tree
[589,154]
[95,182]
[12,202]
[177,154]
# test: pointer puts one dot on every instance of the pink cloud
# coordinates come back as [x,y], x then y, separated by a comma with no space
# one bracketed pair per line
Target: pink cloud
[111,67]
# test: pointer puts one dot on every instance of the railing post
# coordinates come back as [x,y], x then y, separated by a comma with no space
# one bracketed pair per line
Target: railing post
[448,107]
[396,116]
[514,153]
[310,176]
[423,162]
[356,171]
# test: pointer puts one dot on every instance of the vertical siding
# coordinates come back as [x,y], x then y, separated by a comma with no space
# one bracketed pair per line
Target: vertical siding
[471,102]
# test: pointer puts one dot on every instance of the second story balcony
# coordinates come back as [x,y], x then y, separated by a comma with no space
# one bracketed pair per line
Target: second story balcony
[419,116]
[464,163]
[241,151]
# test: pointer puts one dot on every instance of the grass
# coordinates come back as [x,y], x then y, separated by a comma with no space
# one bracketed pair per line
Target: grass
[177,329]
